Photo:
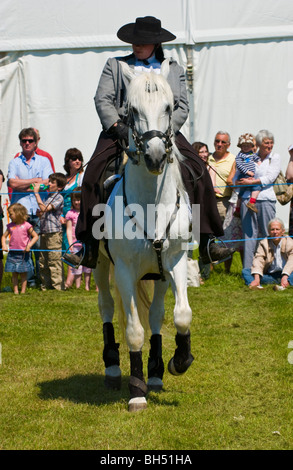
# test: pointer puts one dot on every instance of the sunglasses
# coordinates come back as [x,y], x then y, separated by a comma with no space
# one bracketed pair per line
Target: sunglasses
[30,141]
[221,141]
[76,158]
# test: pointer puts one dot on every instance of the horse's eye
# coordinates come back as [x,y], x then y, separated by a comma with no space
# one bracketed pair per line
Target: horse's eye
[168,109]
[134,110]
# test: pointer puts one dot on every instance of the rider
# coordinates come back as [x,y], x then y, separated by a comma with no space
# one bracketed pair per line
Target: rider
[146,36]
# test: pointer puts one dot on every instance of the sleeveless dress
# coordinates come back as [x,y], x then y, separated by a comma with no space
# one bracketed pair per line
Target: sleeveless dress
[66,193]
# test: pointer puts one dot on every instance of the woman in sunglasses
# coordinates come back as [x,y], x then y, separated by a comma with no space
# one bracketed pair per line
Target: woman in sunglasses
[73,165]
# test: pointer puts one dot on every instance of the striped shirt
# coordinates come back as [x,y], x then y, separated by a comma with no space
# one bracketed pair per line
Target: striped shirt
[246,162]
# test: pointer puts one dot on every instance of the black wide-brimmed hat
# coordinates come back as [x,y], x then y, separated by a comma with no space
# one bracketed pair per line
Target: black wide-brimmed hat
[146,30]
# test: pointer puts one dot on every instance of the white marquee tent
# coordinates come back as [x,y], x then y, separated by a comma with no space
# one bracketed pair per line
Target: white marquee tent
[52,54]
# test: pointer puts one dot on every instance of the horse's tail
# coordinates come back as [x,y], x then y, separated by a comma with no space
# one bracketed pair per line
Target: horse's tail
[144,295]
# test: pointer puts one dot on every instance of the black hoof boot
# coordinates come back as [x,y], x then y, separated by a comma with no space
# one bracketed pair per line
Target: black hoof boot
[137,385]
[111,358]
[155,364]
[182,358]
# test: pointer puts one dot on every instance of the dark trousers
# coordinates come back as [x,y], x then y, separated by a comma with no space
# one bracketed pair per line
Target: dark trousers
[195,176]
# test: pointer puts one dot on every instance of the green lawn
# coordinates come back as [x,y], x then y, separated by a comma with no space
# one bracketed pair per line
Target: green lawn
[237,394]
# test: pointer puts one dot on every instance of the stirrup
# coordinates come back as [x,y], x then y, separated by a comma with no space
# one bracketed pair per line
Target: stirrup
[74,266]
[212,240]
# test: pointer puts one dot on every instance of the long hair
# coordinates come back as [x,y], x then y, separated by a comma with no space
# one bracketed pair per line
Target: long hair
[198,145]
[159,53]
[72,153]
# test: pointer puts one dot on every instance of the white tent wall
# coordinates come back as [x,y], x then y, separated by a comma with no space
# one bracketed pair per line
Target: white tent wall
[54,92]
[245,87]
[52,54]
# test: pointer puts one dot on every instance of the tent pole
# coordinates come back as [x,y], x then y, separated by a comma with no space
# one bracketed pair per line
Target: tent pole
[189,79]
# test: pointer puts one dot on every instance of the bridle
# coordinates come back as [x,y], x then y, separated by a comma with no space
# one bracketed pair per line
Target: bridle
[139,139]
[134,155]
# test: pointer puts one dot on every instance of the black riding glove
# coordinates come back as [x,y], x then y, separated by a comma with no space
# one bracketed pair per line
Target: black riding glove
[120,131]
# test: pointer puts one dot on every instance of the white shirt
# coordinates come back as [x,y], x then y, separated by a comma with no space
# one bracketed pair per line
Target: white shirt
[278,263]
[153,65]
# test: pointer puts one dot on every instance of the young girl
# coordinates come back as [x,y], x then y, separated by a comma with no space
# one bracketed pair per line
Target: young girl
[22,238]
[71,220]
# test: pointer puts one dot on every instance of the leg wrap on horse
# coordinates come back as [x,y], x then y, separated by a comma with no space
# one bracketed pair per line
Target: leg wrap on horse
[137,385]
[182,358]
[111,349]
[155,362]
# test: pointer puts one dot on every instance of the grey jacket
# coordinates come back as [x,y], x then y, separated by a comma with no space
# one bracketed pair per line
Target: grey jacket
[111,97]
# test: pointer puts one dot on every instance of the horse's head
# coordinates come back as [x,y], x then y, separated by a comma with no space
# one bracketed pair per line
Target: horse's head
[150,104]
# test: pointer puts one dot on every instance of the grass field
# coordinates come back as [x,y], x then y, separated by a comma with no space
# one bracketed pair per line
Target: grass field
[237,395]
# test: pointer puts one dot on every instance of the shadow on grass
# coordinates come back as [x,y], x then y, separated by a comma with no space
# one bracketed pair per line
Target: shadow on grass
[90,389]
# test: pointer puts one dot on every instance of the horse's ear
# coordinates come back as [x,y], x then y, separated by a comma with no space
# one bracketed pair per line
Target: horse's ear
[127,71]
[165,67]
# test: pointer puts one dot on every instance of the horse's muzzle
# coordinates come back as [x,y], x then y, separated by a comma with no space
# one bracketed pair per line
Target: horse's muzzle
[155,165]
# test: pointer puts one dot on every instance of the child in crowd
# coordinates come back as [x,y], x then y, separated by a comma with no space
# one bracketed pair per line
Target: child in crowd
[71,220]
[50,213]
[22,238]
[246,162]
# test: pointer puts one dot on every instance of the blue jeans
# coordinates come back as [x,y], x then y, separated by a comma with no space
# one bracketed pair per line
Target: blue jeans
[255,226]
[272,278]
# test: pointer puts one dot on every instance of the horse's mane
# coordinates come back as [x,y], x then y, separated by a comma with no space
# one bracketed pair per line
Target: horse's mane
[150,88]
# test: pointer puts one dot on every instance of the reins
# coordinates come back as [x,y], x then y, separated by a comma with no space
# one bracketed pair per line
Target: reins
[157,243]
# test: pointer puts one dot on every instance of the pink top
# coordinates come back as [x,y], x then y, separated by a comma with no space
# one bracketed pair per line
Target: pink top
[72,215]
[19,236]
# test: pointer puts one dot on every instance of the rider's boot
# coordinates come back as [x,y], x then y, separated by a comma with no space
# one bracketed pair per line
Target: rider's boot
[212,252]
[86,256]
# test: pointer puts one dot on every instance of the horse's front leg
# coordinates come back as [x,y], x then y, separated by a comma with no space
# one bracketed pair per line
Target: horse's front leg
[182,358]
[156,318]
[134,337]
[106,308]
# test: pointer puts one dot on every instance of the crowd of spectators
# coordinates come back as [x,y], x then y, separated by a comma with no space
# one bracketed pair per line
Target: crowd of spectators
[40,198]
[245,198]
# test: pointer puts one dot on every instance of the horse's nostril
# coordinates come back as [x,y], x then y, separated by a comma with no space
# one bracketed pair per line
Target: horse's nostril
[155,165]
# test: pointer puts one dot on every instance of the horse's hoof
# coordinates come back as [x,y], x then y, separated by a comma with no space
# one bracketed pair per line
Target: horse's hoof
[180,369]
[154,384]
[113,378]
[171,367]
[137,404]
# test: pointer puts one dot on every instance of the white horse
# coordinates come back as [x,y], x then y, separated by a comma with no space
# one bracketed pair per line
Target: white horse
[148,228]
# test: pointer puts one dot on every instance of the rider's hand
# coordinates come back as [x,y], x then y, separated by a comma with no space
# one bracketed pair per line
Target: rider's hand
[119,130]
